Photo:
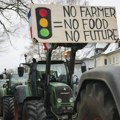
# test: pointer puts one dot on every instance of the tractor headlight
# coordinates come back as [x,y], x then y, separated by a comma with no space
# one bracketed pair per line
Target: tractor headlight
[71,100]
[59,100]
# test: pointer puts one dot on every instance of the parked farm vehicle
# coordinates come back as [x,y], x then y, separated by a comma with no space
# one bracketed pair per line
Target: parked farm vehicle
[98,96]
[7,91]
[51,97]
[6,99]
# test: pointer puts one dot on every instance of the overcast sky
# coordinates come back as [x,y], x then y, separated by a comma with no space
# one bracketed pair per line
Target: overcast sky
[12,57]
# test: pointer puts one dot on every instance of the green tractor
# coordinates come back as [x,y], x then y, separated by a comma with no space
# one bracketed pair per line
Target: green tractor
[6,99]
[50,90]
[52,99]
[8,84]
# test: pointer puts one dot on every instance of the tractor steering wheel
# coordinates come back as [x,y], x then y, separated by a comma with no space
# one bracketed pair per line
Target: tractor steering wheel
[52,78]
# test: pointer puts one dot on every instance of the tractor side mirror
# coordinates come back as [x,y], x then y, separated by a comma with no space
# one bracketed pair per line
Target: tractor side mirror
[83,69]
[1,76]
[20,71]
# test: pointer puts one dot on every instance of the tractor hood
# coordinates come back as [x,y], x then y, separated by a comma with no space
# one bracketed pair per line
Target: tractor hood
[61,97]
[61,90]
[56,84]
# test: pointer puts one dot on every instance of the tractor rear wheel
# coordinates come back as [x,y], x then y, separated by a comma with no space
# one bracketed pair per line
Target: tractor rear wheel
[1,107]
[34,110]
[8,108]
[96,103]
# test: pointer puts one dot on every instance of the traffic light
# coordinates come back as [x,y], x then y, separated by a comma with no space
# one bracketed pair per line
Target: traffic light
[44,26]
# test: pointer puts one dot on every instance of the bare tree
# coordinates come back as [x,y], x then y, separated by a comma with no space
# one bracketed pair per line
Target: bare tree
[9,8]
[12,12]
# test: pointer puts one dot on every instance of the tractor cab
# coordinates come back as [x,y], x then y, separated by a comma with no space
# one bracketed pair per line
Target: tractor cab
[58,71]
[16,80]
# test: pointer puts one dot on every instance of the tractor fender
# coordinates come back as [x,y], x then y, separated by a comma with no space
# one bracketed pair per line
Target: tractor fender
[3,92]
[22,92]
[109,75]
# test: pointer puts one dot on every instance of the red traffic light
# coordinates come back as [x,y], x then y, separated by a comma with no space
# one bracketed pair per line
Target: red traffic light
[43,12]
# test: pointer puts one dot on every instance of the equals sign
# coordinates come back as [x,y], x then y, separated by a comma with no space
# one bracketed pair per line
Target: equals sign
[57,24]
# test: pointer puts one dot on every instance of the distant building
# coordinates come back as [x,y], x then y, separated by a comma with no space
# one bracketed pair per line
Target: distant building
[99,55]
[111,58]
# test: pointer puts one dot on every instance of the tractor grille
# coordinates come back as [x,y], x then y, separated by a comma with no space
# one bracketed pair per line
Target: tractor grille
[64,92]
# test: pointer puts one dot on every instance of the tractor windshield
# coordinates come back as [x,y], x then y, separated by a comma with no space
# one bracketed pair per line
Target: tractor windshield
[58,71]
[3,82]
[15,79]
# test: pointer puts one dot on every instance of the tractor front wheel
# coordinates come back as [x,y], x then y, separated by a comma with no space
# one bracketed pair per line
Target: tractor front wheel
[8,108]
[34,110]
[96,103]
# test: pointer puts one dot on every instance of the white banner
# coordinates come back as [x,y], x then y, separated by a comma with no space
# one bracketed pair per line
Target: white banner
[73,24]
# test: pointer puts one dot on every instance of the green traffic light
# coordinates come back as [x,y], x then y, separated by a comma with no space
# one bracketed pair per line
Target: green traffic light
[44,32]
